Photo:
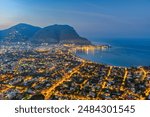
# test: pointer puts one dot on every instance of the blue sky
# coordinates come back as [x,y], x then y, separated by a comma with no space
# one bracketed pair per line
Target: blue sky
[91,18]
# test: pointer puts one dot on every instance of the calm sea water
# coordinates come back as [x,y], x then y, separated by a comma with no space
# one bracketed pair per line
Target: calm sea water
[124,52]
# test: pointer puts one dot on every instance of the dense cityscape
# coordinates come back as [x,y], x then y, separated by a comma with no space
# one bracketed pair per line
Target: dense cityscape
[54,72]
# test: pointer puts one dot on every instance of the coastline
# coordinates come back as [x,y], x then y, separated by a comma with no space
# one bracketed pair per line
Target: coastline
[90,61]
[121,54]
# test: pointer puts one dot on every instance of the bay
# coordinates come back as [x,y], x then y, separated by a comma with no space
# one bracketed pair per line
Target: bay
[124,52]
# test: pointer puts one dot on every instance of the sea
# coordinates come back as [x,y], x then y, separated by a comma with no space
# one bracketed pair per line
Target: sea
[123,52]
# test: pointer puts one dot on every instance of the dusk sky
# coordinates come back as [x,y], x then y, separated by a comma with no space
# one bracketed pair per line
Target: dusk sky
[91,18]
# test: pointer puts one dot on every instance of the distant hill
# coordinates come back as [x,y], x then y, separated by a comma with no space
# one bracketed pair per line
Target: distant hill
[59,34]
[18,33]
[63,34]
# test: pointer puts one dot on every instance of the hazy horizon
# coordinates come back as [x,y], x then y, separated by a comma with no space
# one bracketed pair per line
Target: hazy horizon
[91,19]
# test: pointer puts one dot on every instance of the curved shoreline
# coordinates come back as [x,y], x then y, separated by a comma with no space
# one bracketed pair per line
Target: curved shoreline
[90,61]
[123,66]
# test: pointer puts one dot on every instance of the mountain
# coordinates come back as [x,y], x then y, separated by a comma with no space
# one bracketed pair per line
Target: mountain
[63,34]
[59,34]
[18,33]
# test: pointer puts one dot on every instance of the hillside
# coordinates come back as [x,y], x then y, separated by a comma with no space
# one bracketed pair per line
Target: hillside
[63,34]
[59,34]
[18,33]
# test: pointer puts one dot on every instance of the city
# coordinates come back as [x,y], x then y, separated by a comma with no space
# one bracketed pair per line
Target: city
[54,72]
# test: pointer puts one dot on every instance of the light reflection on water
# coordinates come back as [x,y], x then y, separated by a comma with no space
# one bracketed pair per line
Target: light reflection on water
[117,56]
[90,51]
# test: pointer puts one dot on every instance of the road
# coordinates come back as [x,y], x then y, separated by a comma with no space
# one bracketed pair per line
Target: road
[48,92]
[145,73]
